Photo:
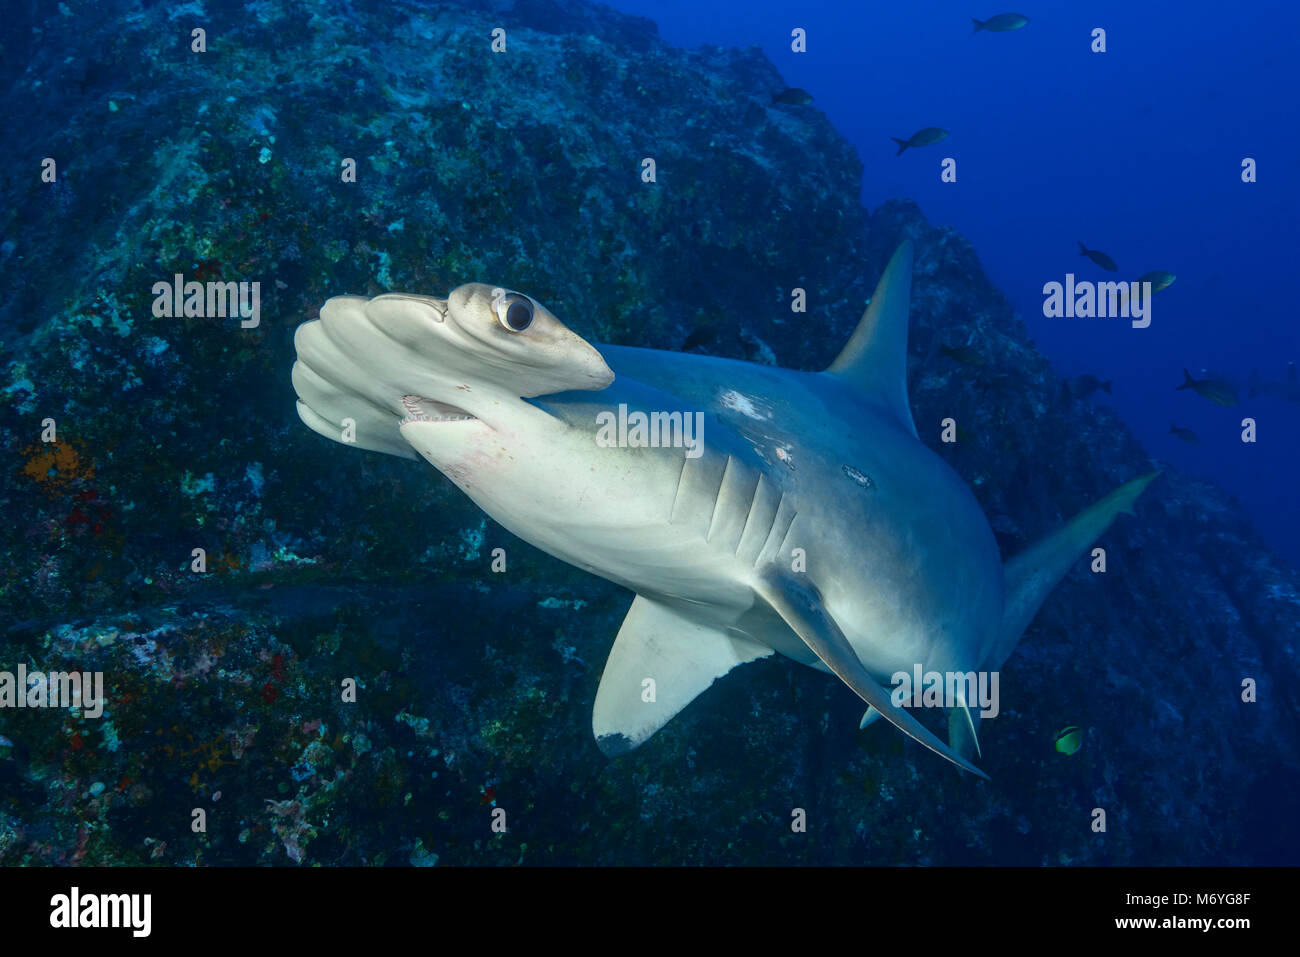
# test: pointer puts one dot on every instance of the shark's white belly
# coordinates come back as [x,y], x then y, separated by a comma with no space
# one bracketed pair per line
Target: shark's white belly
[652,520]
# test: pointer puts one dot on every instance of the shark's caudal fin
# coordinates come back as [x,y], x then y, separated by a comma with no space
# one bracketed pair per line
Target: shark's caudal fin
[799,604]
[875,358]
[1032,574]
[681,657]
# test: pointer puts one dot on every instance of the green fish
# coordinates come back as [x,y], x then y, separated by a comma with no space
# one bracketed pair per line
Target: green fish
[1099,257]
[1187,435]
[793,97]
[1069,740]
[1001,23]
[1158,278]
[963,354]
[926,137]
[1216,390]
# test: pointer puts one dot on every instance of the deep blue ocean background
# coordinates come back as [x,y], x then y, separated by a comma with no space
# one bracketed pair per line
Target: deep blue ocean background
[1136,152]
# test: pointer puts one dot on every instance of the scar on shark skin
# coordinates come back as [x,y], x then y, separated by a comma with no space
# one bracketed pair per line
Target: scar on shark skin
[501,397]
[858,476]
[743,404]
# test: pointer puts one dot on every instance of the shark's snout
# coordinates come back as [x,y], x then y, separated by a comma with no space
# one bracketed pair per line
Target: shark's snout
[598,372]
[529,349]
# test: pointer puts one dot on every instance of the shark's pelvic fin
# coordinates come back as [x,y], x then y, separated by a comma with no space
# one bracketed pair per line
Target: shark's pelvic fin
[682,657]
[963,729]
[800,605]
[875,358]
[1032,574]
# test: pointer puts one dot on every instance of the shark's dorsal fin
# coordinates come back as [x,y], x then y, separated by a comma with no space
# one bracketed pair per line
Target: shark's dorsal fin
[801,606]
[875,358]
[681,656]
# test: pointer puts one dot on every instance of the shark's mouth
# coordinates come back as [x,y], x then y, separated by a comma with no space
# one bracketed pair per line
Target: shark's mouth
[420,409]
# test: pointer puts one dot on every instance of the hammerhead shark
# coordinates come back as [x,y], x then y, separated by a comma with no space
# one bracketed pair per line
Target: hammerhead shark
[753,510]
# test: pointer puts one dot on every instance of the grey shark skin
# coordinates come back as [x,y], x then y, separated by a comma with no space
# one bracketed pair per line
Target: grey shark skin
[811,521]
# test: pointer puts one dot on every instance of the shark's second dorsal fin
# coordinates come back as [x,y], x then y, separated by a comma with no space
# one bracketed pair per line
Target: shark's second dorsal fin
[875,358]
[680,656]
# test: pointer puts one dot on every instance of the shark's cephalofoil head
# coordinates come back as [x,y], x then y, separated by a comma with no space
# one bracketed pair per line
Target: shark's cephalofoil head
[369,367]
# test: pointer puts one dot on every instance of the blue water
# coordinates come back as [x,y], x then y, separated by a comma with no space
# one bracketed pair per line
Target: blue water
[1136,151]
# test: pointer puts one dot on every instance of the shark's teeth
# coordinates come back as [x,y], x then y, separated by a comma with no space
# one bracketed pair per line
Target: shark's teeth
[416,406]
[431,418]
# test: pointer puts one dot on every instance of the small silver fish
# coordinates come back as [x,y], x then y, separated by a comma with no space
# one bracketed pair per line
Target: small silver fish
[1216,390]
[926,137]
[1002,23]
[1099,257]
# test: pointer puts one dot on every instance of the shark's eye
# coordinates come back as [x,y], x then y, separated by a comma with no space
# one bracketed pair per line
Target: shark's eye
[515,312]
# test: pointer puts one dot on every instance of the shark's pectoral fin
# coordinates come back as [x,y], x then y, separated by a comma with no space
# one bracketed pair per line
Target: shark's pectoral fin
[963,730]
[800,605]
[681,657]
[870,716]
